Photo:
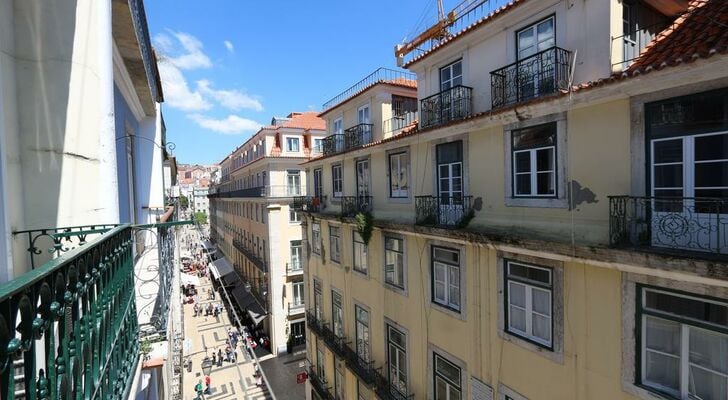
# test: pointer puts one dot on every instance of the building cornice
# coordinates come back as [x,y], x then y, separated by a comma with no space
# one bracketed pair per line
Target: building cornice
[125,85]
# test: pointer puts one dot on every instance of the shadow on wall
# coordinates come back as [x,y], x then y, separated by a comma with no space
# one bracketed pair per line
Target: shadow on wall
[44,38]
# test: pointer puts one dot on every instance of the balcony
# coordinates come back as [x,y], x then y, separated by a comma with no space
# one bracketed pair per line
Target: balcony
[353,205]
[309,203]
[314,324]
[542,74]
[674,224]
[82,300]
[358,136]
[262,191]
[360,367]
[381,75]
[395,124]
[252,255]
[452,104]
[336,344]
[296,307]
[386,391]
[294,268]
[443,211]
[333,144]
[319,384]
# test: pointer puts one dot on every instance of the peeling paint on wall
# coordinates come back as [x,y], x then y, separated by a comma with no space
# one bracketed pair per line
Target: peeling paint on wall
[581,195]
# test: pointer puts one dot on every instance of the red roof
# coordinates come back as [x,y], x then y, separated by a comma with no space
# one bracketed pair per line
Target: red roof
[305,120]
[700,32]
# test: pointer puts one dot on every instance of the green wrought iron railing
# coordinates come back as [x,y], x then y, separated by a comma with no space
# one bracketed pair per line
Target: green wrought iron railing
[47,243]
[68,328]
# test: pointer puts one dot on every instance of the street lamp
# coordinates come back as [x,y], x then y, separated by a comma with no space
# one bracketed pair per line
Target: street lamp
[206,365]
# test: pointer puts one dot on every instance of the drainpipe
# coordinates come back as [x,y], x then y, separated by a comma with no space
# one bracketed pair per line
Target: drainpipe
[108,189]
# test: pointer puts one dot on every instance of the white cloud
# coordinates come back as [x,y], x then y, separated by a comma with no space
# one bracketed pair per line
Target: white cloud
[231,99]
[185,52]
[229,46]
[231,125]
[177,92]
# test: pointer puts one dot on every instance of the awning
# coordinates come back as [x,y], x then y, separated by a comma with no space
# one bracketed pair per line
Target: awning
[220,267]
[247,303]
[231,279]
[187,279]
[208,245]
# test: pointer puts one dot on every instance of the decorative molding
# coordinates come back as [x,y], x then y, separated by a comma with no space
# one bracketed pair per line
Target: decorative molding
[126,87]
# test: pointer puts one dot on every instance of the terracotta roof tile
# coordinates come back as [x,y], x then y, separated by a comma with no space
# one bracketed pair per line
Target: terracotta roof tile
[306,120]
[701,32]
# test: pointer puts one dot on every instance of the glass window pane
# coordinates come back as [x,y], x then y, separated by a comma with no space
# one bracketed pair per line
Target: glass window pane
[707,385]
[541,327]
[667,151]
[440,389]
[713,147]
[668,176]
[663,335]
[447,369]
[541,300]
[687,307]
[457,69]
[517,294]
[517,318]
[711,174]
[525,39]
[545,159]
[523,184]
[535,136]
[709,349]
[523,161]
[545,183]
[662,370]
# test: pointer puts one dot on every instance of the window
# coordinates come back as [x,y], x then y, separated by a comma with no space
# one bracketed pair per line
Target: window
[447,379]
[338,126]
[446,277]
[398,175]
[684,346]
[296,255]
[362,333]
[318,183]
[360,254]
[394,261]
[362,392]
[451,75]
[535,38]
[362,179]
[318,300]
[320,370]
[335,243]
[316,238]
[338,383]
[293,216]
[337,314]
[534,161]
[297,293]
[397,357]
[337,180]
[317,145]
[292,145]
[293,179]
[529,292]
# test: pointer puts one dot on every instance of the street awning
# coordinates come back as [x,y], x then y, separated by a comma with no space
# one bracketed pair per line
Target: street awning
[231,279]
[249,304]
[208,245]
[187,279]
[220,267]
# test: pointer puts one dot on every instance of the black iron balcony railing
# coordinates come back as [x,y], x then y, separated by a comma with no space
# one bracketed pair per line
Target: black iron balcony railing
[295,267]
[699,224]
[262,191]
[47,243]
[399,122]
[309,203]
[337,344]
[352,205]
[445,211]
[333,144]
[542,74]
[387,391]
[364,369]
[451,104]
[380,75]
[314,324]
[358,136]
[68,329]
[252,255]
[319,384]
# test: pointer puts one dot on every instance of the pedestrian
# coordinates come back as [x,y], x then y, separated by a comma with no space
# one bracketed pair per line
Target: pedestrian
[219,357]
[207,383]
[198,388]
[214,358]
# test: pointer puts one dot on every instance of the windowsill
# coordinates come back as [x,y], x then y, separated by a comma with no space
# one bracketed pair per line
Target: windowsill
[557,357]
[399,200]
[457,314]
[360,274]
[539,202]
[396,289]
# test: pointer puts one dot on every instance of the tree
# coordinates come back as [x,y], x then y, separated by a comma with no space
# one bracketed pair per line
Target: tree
[200,218]
[184,202]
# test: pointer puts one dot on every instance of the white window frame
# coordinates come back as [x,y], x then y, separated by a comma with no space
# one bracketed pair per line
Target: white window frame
[337,320]
[396,381]
[537,44]
[338,126]
[296,252]
[399,285]
[293,189]
[360,252]
[294,217]
[449,384]
[363,350]
[316,238]
[398,192]
[448,283]
[533,171]
[290,142]
[335,243]
[529,287]
[686,326]
[337,177]
[449,82]
[318,182]
[297,292]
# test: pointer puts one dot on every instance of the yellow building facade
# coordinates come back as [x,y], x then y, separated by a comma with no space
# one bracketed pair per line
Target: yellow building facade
[556,236]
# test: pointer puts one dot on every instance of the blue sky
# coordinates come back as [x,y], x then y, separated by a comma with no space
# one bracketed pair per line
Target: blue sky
[228,66]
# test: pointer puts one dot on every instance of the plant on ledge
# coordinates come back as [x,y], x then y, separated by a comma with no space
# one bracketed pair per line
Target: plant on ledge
[364,225]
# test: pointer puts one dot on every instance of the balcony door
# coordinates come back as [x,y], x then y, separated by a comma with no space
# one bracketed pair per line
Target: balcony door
[451,78]
[689,176]
[450,182]
[536,70]
[362,182]
[365,130]
[294,183]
